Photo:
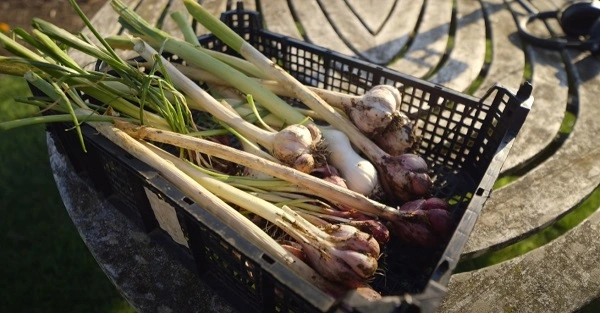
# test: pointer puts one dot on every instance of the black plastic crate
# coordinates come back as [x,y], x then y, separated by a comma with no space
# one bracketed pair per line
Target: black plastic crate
[465,142]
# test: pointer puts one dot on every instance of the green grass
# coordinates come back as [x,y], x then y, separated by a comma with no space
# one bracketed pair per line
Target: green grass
[44,264]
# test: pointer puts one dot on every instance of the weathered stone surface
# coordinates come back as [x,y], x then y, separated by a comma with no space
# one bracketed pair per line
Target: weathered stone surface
[509,59]
[554,187]
[316,27]
[562,276]
[429,45]
[281,19]
[468,54]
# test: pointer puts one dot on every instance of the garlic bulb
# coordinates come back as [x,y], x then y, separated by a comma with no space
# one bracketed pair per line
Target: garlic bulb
[359,174]
[399,137]
[375,110]
[296,145]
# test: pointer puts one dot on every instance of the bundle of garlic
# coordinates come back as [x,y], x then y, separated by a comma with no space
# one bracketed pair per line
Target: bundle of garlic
[337,224]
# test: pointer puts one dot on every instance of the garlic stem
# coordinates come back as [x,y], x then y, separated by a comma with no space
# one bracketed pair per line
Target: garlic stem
[204,100]
[351,271]
[218,207]
[336,99]
[331,192]
[293,145]
[203,59]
